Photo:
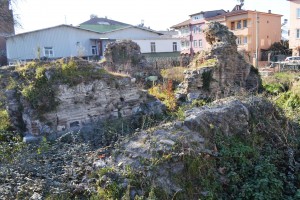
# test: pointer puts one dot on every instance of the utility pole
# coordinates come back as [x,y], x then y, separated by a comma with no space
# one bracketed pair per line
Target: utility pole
[256,49]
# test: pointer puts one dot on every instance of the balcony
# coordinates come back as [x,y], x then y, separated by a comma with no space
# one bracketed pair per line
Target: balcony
[183,35]
[242,31]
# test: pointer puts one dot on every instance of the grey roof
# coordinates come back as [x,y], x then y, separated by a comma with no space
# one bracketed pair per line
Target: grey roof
[104,21]
[211,13]
[82,29]
[48,28]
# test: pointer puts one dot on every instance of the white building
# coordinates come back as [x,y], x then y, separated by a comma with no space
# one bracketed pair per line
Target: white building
[65,40]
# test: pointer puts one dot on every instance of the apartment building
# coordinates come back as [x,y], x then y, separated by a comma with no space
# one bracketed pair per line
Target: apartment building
[294,36]
[191,31]
[254,30]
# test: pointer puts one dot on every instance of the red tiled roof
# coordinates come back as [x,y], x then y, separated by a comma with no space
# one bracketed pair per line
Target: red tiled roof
[185,23]
[238,12]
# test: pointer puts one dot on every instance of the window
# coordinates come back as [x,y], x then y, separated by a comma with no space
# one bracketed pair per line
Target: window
[298,34]
[174,46]
[239,40]
[195,43]
[195,29]
[245,23]
[245,41]
[94,50]
[199,29]
[187,43]
[48,52]
[298,12]
[239,24]
[200,43]
[182,44]
[153,48]
[232,25]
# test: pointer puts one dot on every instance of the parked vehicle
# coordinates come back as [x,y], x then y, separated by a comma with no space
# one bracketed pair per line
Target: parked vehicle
[292,59]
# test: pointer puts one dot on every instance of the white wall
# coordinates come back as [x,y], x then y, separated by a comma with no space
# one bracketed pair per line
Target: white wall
[131,33]
[162,45]
[65,40]
[71,41]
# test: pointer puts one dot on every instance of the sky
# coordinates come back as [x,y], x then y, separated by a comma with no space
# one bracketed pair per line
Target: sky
[157,14]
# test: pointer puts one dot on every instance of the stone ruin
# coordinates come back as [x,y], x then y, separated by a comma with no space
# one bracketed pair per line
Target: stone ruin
[81,105]
[124,56]
[219,72]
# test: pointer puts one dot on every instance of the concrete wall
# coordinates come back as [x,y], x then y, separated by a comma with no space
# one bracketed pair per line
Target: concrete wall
[162,45]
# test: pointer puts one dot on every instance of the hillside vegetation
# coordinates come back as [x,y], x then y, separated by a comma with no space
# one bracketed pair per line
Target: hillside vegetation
[177,159]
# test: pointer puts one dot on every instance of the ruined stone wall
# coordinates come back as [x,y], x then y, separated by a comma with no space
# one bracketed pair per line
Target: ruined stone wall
[219,72]
[48,103]
[84,104]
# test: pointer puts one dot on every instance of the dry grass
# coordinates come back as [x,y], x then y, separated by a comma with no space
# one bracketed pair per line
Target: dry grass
[174,73]
[118,74]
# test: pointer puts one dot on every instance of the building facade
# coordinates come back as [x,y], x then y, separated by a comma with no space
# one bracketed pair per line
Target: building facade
[252,29]
[294,36]
[190,31]
[255,31]
[64,41]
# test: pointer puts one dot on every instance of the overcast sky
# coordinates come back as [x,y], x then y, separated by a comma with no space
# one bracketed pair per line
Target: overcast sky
[158,14]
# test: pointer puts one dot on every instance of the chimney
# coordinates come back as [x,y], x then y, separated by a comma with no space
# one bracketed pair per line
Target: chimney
[269,11]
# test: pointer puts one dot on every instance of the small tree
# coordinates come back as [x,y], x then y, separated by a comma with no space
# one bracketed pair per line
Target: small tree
[241,2]
[93,16]
[7,19]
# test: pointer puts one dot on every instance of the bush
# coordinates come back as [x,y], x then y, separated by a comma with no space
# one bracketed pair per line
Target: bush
[174,73]
[166,94]
[4,120]
[274,88]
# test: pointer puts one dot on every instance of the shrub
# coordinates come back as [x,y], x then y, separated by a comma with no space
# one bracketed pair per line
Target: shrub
[166,94]
[174,73]
[4,120]
[274,88]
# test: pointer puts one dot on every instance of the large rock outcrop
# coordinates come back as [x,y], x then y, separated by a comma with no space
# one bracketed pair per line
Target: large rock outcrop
[124,56]
[159,157]
[65,96]
[221,71]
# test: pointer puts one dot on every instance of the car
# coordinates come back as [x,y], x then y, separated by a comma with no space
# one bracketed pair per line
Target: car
[292,59]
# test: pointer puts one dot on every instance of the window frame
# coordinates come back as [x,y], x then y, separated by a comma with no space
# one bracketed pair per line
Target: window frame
[182,44]
[200,43]
[187,43]
[153,47]
[298,12]
[238,40]
[239,24]
[245,23]
[94,50]
[175,46]
[245,40]
[297,33]
[195,43]
[232,25]
[50,53]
